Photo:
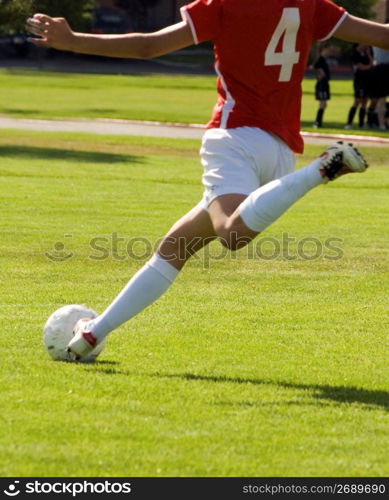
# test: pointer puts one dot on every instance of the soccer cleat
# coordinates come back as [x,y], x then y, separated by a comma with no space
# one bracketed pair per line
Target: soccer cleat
[340,159]
[82,343]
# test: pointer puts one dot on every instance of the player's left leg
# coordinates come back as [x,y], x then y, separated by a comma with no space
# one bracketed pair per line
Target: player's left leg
[232,232]
[191,233]
[186,237]
[351,114]
[320,113]
[362,112]
[372,117]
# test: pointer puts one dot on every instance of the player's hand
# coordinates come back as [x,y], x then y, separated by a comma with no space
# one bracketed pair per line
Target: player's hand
[54,32]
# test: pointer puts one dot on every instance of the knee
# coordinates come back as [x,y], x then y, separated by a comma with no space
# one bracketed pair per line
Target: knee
[233,239]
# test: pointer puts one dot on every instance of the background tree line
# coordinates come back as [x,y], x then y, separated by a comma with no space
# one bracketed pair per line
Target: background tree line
[14,12]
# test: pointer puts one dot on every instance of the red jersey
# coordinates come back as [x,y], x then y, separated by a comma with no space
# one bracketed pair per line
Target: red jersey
[261,51]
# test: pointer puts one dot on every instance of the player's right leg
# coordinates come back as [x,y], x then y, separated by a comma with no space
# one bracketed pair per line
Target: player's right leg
[191,233]
[250,182]
[351,114]
[362,112]
[265,205]
[381,110]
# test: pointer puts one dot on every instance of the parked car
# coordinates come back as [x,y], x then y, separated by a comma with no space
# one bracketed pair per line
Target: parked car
[15,45]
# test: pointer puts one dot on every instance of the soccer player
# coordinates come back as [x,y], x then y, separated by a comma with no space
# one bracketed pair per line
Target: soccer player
[322,88]
[261,51]
[362,59]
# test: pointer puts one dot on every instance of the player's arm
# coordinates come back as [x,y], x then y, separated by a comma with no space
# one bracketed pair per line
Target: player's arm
[363,67]
[355,29]
[56,33]
[319,74]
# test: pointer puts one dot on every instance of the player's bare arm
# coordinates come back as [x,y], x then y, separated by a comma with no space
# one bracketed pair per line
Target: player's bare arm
[55,32]
[355,29]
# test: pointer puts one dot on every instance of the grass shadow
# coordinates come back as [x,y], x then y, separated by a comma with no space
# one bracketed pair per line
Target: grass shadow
[9,112]
[107,367]
[109,362]
[35,152]
[339,394]
[325,392]
[322,393]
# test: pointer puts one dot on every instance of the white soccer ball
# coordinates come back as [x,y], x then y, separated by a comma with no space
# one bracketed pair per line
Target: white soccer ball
[58,331]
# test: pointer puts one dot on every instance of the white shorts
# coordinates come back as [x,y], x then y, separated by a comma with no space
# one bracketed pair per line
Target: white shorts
[240,160]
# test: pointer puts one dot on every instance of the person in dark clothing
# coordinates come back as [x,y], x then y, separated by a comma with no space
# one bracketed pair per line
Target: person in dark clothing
[387,115]
[362,59]
[381,83]
[322,89]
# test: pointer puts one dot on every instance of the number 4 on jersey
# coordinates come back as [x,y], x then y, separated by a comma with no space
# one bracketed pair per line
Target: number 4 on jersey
[287,28]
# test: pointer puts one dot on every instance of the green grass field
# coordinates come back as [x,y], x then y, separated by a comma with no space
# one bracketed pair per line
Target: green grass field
[246,367]
[175,98]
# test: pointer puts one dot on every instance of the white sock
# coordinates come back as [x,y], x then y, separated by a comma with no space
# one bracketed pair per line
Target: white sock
[267,203]
[146,286]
